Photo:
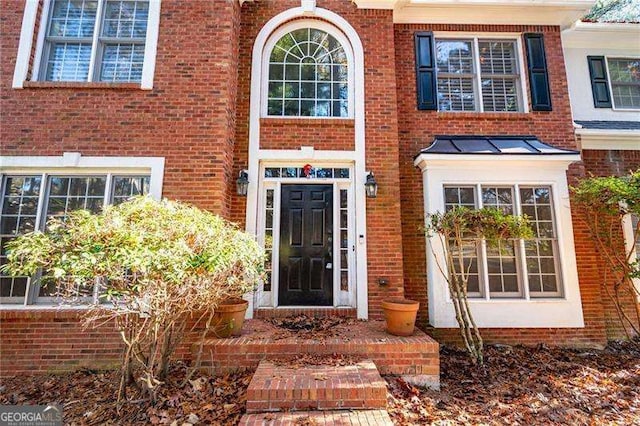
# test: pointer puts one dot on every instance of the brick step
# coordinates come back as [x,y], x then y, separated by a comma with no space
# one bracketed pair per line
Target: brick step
[342,418]
[275,387]
[263,313]
[416,358]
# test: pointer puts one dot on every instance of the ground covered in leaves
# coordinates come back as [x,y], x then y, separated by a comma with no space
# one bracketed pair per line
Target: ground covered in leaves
[519,385]
[87,398]
[527,386]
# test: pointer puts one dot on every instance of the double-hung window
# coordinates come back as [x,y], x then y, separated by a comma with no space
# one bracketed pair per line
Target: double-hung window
[515,268]
[624,75]
[29,201]
[477,74]
[94,40]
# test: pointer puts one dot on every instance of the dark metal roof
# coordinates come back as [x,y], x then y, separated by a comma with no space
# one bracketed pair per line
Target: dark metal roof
[493,145]
[609,125]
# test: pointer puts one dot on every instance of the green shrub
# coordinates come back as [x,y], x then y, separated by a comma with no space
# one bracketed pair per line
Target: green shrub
[158,263]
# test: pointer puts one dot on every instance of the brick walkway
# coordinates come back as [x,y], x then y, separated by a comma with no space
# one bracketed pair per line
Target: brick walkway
[316,387]
[334,418]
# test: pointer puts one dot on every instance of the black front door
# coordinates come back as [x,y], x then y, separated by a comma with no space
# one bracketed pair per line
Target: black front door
[306,226]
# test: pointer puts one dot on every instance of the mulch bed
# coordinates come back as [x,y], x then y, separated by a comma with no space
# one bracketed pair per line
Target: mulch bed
[527,386]
[519,385]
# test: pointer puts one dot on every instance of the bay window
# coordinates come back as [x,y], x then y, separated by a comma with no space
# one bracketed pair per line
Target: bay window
[507,270]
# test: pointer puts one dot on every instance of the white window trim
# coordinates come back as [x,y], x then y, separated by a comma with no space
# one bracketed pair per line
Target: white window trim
[308,154]
[610,84]
[26,35]
[523,95]
[73,164]
[440,170]
[627,229]
[296,25]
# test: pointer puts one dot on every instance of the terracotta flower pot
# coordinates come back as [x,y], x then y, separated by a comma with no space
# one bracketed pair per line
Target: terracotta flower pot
[229,318]
[400,315]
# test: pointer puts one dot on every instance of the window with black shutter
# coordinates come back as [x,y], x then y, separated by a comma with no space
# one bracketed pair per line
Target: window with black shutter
[425,71]
[538,73]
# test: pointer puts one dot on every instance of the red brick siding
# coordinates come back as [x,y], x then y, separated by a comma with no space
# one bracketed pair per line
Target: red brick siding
[375,28]
[417,129]
[188,117]
[294,133]
[55,340]
[617,163]
[50,341]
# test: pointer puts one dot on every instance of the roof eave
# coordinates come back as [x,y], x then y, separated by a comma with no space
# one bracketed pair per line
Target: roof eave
[425,160]
[525,12]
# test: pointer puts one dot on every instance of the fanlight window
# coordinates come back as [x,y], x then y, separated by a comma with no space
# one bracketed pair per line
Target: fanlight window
[308,72]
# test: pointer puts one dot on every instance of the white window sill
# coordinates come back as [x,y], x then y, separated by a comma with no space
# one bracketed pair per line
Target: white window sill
[16,307]
[543,313]
[80,85]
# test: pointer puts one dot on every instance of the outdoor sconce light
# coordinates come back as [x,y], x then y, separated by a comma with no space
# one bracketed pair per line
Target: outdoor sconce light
[371,186]
[242,183]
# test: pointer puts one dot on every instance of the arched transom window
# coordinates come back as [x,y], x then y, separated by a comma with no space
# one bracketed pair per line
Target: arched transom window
[308,75]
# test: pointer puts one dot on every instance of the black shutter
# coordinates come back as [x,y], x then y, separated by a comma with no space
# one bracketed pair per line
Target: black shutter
[426,72]
[538,75]
[599,83]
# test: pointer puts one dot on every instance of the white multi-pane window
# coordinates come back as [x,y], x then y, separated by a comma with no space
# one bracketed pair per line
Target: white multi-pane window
[515,267]
[308,75]
[29,201]
[478,74]
[624,75]
[95,40]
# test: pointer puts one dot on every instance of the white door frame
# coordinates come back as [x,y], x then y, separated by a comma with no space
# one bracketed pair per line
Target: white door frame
[269,299]
[308,154]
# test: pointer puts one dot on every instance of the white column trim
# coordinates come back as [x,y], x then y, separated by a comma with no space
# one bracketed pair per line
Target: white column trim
[24,46]
[628,231]
[151,45]
[358,156]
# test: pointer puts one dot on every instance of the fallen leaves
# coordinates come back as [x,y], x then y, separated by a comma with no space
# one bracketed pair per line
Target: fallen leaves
[87,398]
[518,385]
[309,327]
[525,385]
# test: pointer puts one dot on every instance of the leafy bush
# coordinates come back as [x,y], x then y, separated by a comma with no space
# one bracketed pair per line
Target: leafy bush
[461,229]
[158,263]
[603,203]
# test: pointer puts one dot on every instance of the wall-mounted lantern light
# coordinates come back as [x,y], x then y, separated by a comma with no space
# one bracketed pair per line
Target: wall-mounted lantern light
[371,186]
[242,183]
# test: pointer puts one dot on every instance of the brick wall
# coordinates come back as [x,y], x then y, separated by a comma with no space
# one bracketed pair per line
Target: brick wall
[188,117]
[321,133]
[197,117]
[416,131]
[46,341]
[616,163]
[375,28]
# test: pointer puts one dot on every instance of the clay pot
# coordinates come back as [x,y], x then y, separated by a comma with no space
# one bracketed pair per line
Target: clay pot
[229,318]
[400,315]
